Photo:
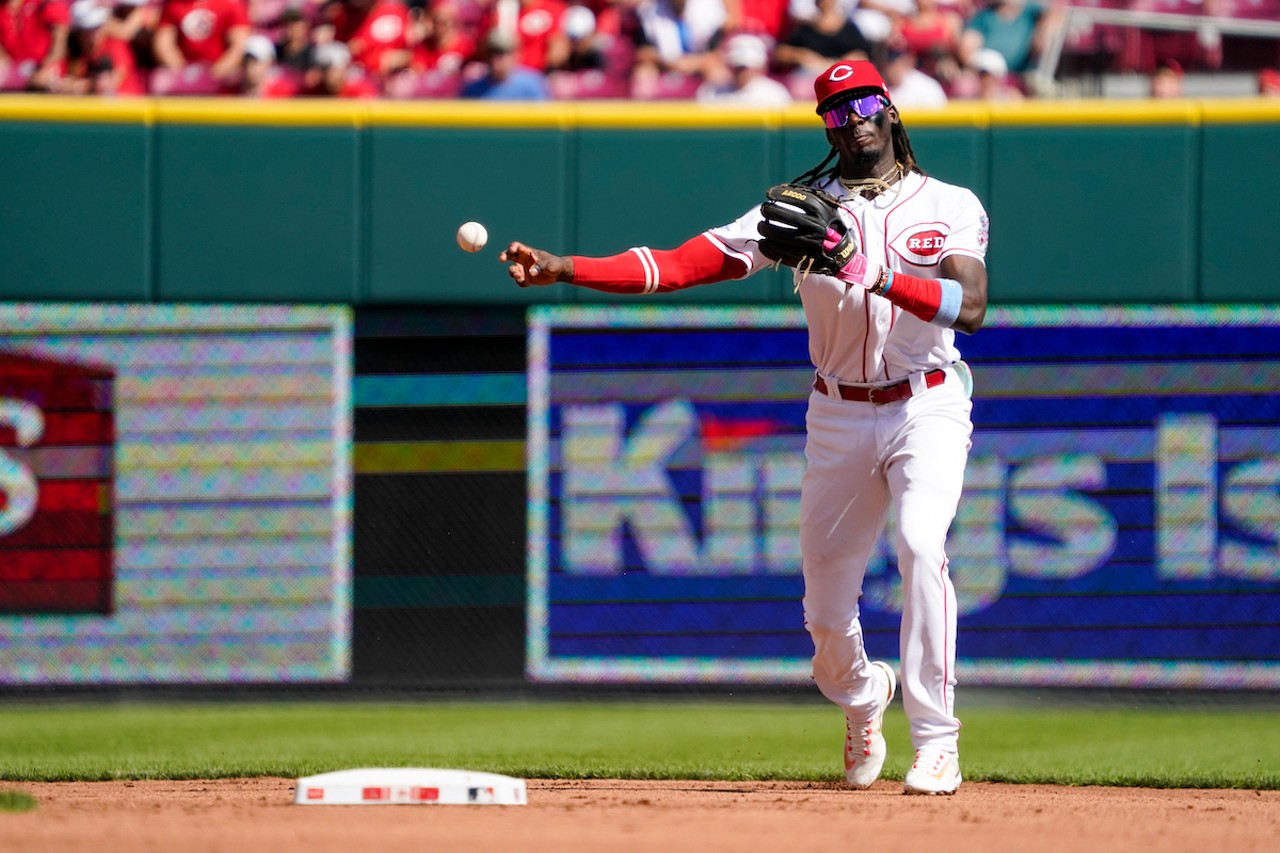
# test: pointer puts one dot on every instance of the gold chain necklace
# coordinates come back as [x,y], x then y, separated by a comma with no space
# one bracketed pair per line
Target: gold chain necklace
[875,186]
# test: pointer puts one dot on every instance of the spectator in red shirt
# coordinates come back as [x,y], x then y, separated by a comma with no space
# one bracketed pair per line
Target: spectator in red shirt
[538,29]
[98,63]
[1269,83]
[444,45]
[33,38]
[207,32]
[762,17]
[134,22]
[377,33]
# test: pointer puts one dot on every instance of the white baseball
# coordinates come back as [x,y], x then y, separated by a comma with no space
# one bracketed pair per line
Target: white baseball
[472,236]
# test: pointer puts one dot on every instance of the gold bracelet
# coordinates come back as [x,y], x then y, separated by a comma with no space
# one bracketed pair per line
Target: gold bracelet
[881,280]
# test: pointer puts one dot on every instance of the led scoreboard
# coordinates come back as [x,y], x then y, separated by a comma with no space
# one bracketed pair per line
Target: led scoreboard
[1120,523]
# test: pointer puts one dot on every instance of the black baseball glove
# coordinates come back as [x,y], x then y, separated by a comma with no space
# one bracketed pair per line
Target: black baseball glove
[798,222]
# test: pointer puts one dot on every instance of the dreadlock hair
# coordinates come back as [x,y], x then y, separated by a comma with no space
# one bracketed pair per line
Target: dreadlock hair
[901,149]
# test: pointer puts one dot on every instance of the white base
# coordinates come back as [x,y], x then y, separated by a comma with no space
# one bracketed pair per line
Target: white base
[427,786]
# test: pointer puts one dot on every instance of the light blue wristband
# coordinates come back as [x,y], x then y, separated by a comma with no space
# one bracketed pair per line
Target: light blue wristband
[952,298]
[888,282]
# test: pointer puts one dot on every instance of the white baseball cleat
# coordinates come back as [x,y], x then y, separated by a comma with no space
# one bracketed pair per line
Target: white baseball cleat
[935,771]
[864,748]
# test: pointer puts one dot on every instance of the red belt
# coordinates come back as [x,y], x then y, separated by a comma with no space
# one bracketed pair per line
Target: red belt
[881,394]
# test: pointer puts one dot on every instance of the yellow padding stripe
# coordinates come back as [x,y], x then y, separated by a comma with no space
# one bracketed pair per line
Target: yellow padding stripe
[1241,111]
[1095,113]
[623,115]
[61,108]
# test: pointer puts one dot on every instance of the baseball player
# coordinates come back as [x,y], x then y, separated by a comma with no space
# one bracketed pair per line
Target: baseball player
[888,264]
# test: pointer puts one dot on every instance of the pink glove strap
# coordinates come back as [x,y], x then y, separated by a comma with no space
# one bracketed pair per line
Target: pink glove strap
[860,271]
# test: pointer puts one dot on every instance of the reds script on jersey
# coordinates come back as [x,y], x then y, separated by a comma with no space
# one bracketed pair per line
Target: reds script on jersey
[858,338]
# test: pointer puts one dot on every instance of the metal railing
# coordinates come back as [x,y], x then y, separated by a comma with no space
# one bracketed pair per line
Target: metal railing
[1051,54]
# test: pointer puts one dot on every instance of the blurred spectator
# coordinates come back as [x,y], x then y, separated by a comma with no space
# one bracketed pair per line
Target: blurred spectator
[1166,80]
[294,45]
[537,27]
[828,37]
[135,22]
[1014,28]
[762,17]
[875,18]
[375,31]
[98,63]
[993,83]
[444,44]
[677,36]
[744,79]
[332,74]
[262,78]
[33,40]
[203,32]
[586,48]
[503,77]
[908,85]
[932,32]
[1269,83]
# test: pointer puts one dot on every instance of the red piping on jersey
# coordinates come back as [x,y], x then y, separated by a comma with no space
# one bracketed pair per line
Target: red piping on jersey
[893,318]
[946,641]
[892,210]
[893,314]
[866,339]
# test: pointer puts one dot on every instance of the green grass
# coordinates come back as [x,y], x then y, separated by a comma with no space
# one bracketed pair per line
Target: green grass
[642,739]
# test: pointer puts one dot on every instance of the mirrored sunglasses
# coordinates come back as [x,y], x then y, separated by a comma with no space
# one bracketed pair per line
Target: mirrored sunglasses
[864,107]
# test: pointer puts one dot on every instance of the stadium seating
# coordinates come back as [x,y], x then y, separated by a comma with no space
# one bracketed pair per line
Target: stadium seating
[673,86]
[410,85]
[589,84]
[194,79]
[12,78]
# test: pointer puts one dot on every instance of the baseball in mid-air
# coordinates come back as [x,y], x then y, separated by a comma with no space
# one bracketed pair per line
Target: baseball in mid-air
[472,236]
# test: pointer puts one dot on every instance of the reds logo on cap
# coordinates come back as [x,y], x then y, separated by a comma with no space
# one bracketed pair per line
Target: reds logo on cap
[921,244]
[847,77]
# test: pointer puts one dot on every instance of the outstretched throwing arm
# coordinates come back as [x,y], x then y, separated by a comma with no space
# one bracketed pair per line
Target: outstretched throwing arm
[637,270]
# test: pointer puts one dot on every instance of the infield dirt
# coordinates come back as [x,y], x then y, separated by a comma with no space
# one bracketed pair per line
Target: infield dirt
[248,815]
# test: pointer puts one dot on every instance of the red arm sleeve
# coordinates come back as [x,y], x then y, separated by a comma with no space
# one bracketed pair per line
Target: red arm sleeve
[645,270]
[919,296]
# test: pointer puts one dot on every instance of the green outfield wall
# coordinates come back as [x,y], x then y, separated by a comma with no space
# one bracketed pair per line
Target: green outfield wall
[318,201]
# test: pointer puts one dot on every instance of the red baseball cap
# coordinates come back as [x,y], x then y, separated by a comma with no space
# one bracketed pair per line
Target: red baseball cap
[847,76]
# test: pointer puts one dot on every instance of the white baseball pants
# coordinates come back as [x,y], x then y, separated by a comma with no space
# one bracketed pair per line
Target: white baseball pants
[861,460]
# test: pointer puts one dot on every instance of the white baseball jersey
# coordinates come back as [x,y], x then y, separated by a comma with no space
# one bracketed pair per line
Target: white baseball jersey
[863,459]
[858,338]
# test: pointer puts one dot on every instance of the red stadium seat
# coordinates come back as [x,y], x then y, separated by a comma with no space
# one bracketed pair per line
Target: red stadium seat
[673,86]
[619,55]
[415,85]
[588,84]
[195,79]
[13,78]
